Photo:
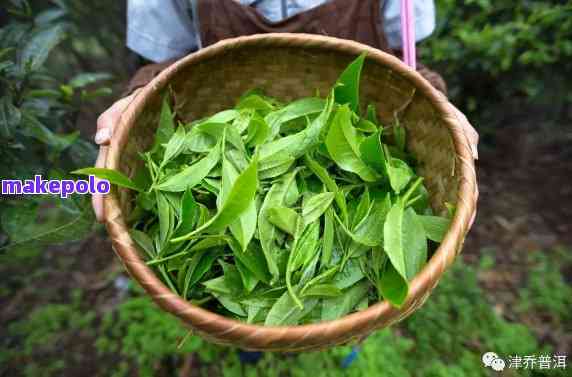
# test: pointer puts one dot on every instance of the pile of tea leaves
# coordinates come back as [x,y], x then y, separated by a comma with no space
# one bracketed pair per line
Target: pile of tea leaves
[283,214]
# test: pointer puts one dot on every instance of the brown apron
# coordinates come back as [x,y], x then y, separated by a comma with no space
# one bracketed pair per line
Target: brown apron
[358,20]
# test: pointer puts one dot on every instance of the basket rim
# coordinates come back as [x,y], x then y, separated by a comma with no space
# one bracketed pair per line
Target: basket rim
[255,336]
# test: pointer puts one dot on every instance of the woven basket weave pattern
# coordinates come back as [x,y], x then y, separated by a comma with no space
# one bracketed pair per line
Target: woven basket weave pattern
[288,67]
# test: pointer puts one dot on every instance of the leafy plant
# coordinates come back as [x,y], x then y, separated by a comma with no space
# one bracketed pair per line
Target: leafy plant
[137,337]
[38,114]
[143,334]
[282,214]
[44,332]
[505,61]
[546,290]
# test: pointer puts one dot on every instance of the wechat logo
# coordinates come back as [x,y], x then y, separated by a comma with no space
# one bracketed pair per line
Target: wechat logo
[492,360]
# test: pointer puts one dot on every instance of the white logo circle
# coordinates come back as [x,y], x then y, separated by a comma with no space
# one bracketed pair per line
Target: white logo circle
[489,357]
[498,365]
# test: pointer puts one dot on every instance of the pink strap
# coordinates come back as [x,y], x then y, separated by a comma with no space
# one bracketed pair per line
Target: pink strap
[408,33]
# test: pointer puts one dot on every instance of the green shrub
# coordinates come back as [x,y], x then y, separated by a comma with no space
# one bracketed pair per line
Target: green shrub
[505,60]
[144,334]
[546,291]
[38,127]
[40,338]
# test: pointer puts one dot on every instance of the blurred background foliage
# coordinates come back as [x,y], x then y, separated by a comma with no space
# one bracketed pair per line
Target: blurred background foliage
[66,307]
[57,59]
[505,60]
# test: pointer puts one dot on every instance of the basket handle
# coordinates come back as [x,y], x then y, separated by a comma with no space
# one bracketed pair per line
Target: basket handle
[408,33]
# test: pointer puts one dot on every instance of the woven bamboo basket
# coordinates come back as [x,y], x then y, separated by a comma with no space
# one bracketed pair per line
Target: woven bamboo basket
[290,66]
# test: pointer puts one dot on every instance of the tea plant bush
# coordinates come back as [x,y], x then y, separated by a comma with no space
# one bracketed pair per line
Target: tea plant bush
[142,333]
[39,109]
[546,291]
[505,60]
[42,335]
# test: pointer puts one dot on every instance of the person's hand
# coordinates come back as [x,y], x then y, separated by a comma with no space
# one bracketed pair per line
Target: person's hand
[105,125]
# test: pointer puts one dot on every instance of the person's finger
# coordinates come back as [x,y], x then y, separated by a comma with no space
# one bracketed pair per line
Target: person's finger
[109,118]
[105,125]
[97,199]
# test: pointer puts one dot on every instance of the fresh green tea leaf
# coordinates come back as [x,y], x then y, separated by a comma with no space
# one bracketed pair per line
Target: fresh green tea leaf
[404,240]
[174,146]
[249,280]
[315,206]
[166,127]
[297,109]
[322,290]
[243,227]
[166,219]
[199,264]
[258,131]
[267,232]
[366,126]
[347,87]
[363,208]
[252,258]
[328,238]
[230,304]
[369,230]
[285,312]
[144,242]
[400,174]
[189,213]
[255,102]
[275,165]
[284,218]
[298,144]
[435,227]
[224,116]
[346,302]
[304,249]
[393,286]
[372,114]
[341,143]
[113,176]
[192,175]
[330,184]
[372,153]
[239,199]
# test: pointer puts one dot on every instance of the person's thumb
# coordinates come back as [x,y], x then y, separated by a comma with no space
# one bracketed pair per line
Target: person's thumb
[109,118]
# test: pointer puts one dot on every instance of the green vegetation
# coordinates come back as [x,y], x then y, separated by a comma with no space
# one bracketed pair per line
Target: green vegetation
[506,64]
[141,332]
[38,132]
[446,337]
[547,292]
[503,59]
